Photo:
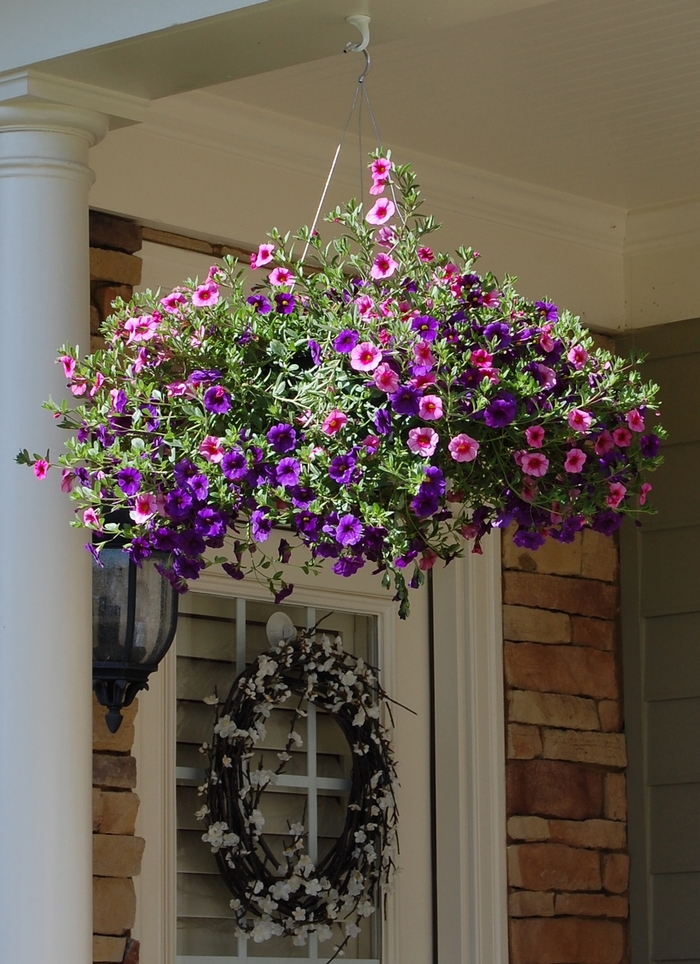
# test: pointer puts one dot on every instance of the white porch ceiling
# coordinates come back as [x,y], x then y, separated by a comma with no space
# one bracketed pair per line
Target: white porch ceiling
[596,98]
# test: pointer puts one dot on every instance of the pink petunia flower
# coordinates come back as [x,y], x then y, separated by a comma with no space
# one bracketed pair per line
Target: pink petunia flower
[141,328]
[371,443]
[145,506]
[67,480]
[380,167]
[383,267]
[41,467]
[491,299]
[529,490]
[534,436]
[206,294]
[644,490]
[91,519]
[622,437]
[212,449]
[365,306]
[425,254]
[423,381]
[546,340]
[430,408]
[547,377]
[635,421]
[481,358]
[616,495]
[386,236]
[578,356]
[263,257]
[385,378]
[534,463]
[575,460]
[381,211]
[173,302]
[423,441]
[79,387]
[97,384]
[579,420]
[427,560]
[378,185]
[463,448]
[423,355]
[280,276]
[365,357]
[334,421]
[604,443]
[68,365]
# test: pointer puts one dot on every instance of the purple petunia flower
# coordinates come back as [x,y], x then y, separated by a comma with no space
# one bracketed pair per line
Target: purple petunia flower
[348,566]
[547,311]
[285,303]
[284,551]
[315,350]
[210,524]
[607,522]
[501,331]
[283,593]
[260,525]
[163,540]
[198,485]
[346,341]
[302,496]
[129,481]
[528,539]
[282,438]
[189,543]
[288,471]
[233,570]
[342,468]
[501,411]
[234,465]
[120,401]
[178,505]
[187,568]
[184,471]
[261,305]
[217,400]
[204,377]
[349,530]
[382,421]
[649,446]
[405,400]
[308,524]
[425,503]
[435,481]
[139,550]
[426,326]
[569,528]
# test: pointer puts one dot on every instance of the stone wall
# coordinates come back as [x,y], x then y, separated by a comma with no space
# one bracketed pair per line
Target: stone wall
[568,864]
[114,270]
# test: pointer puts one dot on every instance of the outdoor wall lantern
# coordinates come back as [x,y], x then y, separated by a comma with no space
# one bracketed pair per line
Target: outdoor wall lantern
[134,616]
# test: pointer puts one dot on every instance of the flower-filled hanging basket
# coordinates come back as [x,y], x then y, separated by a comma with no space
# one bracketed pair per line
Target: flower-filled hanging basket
[289,893]
[383,403]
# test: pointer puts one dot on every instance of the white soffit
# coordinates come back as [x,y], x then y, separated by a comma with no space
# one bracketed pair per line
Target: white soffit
[294,145]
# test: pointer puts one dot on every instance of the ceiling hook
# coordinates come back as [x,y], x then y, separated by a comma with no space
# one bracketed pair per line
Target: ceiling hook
[361,21]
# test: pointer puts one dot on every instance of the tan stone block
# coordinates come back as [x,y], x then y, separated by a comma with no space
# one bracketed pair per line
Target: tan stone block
[572,940]
[119,811]
[524,742]
[615,796]
[95,320]
[530,903]
[599,556]
[114,855]
[597,633]
[552,709]
[610,716]
[536,625]
[573,670]
[108,949]
[97,343]
[606,749]
[585,597]
[552,788]
[114,905]
[103,296]
[591,905]
[110,770]
[119,742]
[560,558]
[528,828]
[616,873]
[97,809]
[548,866]
[115,266]
[600,834]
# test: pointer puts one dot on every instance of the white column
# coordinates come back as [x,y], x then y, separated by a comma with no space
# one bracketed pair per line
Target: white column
[45,589]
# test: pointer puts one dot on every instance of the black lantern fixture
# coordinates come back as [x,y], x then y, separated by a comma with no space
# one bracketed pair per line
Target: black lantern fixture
[134,617]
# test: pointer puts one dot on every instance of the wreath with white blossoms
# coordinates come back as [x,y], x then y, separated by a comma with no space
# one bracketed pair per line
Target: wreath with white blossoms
[297,898]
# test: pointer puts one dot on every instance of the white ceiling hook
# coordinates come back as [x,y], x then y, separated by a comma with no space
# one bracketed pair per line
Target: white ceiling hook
[361,21]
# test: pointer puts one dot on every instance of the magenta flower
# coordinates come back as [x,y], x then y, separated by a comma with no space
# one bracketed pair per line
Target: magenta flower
[141,328]
[635,421]
[380,168]
[206,294]
[644,490]
[384,266]
[425,254]
[173,302]
[534,463]
[67,479]
[430,408]
[463,448]
[68,365]
[622,437]
[386,236]
[91,519]
[365,306]
[334,422]
[385,378]
[365,357]
[604,443]
[575,460]
[616,495]
[381,211]
[535,436]
[40,467]
[423,441]
[378,185]
[579,420]
[212,449]
[263,257]
[371,443]
[423,355]
[145,506]
[280,276]
[578,356]
[546,340]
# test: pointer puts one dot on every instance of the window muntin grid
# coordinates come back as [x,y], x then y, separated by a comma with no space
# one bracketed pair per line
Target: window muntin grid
[217,637]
